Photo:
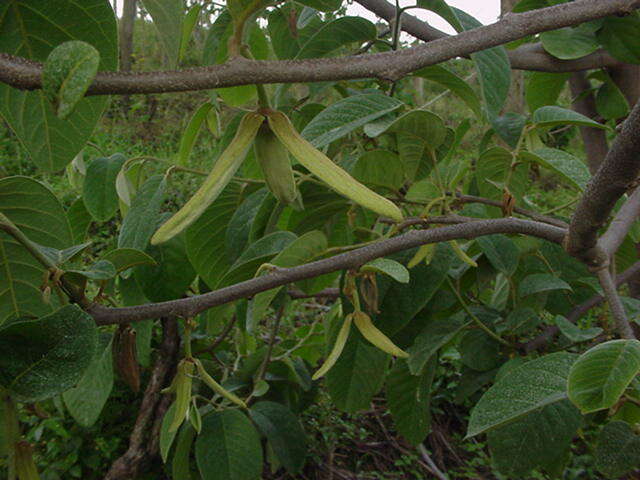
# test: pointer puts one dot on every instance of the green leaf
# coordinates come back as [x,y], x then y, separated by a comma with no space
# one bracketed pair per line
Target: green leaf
[618,451]
[188,24]
[284,36]
[142,218]
[479,351]
[570,42]
[167,435]
[621,37]
[459,87]
[524,390]
[100,270]
[436,334]
[534,441]
[167,17]
[34,209]
[284,433]
[60,257]
[574,333]
[66,75]
[228,447]
[509,127]
[501,251]
[190,134]
[611,103]
[346,115]
[99,191]
[552,116]
[205,238]
[171,276]
[44,357]
[522,320]
[32,30]
[79,220]
[544,88]
[601,374]
[125,258]
[402,301]
[492,170]
[181,461]
[86,400]
[335,34]
[380,168]
[323,5]
[241,223]
[358,374]
[300,251]
[409,400]
[566,165]
[387,266]
[541,282]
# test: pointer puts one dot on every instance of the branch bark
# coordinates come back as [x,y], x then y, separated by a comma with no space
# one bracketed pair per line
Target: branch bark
[24,74]
[616,175]
[621,224]
[615,304]
[191,306]
[143,443]
[526,57]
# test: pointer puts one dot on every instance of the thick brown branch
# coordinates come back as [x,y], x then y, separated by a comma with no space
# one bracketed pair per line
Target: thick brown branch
[526,57]
[24,74]
[616,175]
[622,325]
[621,224]
[191,306]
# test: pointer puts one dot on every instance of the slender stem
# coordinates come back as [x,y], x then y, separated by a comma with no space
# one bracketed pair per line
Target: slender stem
[623,326]
[224,334]
[267,358]
[434,468]
[476,320]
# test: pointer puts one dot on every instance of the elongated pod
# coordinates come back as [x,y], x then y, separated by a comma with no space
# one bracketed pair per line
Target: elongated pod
[183,382]
[220,175]
[327,171]
[341,341]
[375,336]
[216,387]
[274,160]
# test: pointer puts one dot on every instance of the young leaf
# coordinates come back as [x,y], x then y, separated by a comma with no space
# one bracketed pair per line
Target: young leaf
[566,165]
[228,447]
[541,282]
[190,134]
[601,375]
[552,116]
[501,251]
[66,75]
[141,219]
[387,266]
[570,42]
[44,357]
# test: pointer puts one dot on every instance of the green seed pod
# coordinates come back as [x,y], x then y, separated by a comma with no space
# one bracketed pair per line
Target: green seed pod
[276,165]
[220,175]
[375,336]
[341,341]
[327,171]
[183,381]
[216,387]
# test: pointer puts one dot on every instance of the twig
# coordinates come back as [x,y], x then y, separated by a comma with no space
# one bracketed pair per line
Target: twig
[611,240]
[615,304]
[225,332]
[434,468]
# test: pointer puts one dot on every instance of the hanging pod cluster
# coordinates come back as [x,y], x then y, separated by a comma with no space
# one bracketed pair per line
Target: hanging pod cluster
[273,142]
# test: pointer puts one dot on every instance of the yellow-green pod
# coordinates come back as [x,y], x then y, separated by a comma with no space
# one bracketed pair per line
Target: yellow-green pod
[341,341]
[275,164]
[327,171]
[183,381]
[375,336]
[425,252]
[216,387]
[220,175]
[461,254]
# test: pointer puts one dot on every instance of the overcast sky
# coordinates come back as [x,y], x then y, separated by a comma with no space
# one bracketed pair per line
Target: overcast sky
[484,10]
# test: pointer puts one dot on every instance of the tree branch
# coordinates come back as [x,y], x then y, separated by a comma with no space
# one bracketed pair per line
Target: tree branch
[617,174]
[615,304]
[391,66]
[621,224]
[525,57]
[191,306]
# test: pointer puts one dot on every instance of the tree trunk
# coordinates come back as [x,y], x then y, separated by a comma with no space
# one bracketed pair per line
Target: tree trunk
[127,22]
[515,100]
[594,139]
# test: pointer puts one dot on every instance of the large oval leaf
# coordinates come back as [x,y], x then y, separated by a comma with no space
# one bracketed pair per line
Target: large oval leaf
[552,116]
[167,17]
[337,33]
[618,450]
[34,209]
[601,375]
[42,358]
[228,447]
[31,30]
[530,387]
[99,191]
